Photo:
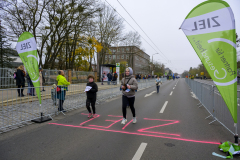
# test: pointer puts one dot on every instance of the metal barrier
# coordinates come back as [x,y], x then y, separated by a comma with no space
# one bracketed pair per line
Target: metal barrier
[80,76]
[18,111]
[6,78]
[210,98]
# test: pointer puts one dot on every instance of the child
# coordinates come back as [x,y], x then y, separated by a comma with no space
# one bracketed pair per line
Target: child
[53,94]
[91,96]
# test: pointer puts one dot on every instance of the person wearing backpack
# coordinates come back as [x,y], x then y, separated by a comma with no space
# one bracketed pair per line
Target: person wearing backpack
[128,85]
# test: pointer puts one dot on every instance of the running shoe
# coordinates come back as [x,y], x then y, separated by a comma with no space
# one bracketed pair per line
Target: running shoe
[134,120]
[89,115]
[94,116]
[124,121]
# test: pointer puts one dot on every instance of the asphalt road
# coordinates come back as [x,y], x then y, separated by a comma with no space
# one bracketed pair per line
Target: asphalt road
[179,132]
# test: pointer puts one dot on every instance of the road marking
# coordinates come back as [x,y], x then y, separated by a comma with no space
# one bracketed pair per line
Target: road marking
[173,87]
[147,95]
[171,93]
[164,106]
[140,151]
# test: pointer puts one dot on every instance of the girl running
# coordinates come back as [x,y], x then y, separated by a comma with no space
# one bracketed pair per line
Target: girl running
[91,96]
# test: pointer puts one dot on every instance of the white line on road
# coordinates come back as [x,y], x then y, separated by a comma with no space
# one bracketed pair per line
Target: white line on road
[140,151]
[147,95]
[164,106]
[173,87]
[171,93]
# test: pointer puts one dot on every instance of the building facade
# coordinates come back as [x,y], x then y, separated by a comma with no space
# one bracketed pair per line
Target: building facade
[130,55]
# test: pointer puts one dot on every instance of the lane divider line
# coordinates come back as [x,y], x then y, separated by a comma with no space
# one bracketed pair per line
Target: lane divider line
[173,87]
[140,151]
[164,106]
[171,93]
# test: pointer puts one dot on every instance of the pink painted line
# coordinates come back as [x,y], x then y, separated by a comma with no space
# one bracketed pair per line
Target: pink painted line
[157,126]
[134,133]
[114,116]
[109,125]
[127,124]
[170,134]
[158,119]
[84,113]
[89,119]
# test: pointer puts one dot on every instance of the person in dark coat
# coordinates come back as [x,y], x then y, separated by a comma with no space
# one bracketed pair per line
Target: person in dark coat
[109,75]
[115,76]
[91,96]
[20,80]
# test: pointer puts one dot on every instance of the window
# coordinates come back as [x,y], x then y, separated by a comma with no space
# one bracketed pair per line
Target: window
[110,56]
[106,56]
[127,49]
[119,49]
[114,56]
[114,50]
[123,49]
[122,56]
[127,56]
[118,56]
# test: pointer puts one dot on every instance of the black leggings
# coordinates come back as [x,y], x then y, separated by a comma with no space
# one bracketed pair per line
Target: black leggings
[125,102]
[19,86]
[91,101]
[60,105]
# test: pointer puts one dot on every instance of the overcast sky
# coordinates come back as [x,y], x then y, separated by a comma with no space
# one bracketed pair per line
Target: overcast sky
[161,19]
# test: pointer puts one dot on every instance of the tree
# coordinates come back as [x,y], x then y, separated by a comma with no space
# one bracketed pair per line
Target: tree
[109,27]
[6,52]
[237,40]
[67,22]
[159,68]
[22,16]
[54,23]
[184,74]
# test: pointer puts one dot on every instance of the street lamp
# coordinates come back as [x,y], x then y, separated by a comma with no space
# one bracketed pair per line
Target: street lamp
[152,56]
[152,64]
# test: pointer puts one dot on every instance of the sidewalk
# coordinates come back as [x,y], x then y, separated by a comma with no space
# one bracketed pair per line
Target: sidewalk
[16,113]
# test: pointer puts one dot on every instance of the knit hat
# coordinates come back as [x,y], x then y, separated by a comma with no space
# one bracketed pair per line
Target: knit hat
[130,70]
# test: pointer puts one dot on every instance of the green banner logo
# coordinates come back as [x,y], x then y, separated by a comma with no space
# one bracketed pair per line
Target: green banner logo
[210,28]
[27,50]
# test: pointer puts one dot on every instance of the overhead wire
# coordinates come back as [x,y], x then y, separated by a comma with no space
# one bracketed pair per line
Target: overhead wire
[145,34]
[133,28]
[141,29]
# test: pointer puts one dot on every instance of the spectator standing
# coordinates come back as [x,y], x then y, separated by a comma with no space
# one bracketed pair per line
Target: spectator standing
[115,76]
[103,76]
[109,75]
[20,80]
[63,87]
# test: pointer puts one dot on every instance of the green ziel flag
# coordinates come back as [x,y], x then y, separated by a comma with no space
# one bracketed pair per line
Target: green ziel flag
[27,50]
[210,28]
